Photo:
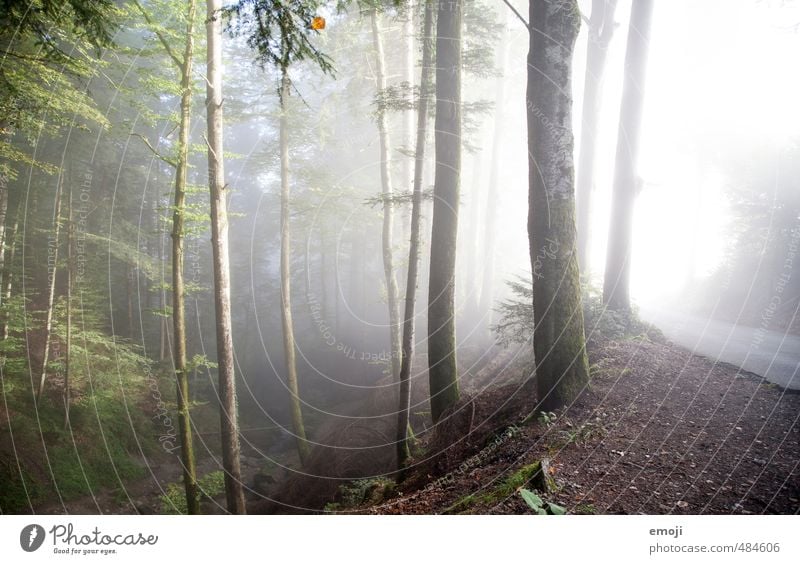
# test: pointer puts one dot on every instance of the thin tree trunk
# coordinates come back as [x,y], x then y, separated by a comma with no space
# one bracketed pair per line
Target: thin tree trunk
[178,306]
[229,424]
[408,115]
[52,257]
[303,448]
[616,284]
[388,210]
[3,217]
[443,368]
[403,451]
[472,281]
[601,29]
[129,295]
[493,191]
[323,271]
[558,338]
[8,272]
[68,345]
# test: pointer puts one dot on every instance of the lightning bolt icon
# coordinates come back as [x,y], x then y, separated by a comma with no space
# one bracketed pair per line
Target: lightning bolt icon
[34,534]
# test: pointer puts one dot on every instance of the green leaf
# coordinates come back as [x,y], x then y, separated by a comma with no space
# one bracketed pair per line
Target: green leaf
[556,509]
[533,500]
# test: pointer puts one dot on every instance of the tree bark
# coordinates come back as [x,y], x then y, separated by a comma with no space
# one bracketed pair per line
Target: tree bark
[303,448]
[601,29]
[178,306]
[388,210]
[403,451]
[616,284]
[229,424]
[52,257]
[442,366]
[558,337]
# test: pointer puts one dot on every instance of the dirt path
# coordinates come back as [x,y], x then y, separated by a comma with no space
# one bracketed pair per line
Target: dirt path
[660,431]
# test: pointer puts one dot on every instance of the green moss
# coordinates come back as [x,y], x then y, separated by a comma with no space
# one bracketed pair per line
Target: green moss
[522,477]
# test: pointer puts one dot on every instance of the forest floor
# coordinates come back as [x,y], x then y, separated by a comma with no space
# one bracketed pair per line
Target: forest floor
[659,431]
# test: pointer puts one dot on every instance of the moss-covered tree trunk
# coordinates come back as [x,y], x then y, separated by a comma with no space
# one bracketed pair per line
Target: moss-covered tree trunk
[601,29]
[286,277]
[616,284]
[229,417]
[442,366]
[413,249]
[388,210]
[178,306]
[559,345]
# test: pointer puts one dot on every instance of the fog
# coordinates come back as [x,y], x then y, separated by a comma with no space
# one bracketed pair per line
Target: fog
[716,221]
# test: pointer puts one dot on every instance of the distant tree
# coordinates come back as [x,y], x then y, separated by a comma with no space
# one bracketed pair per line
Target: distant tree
[222,277]
[616,284]
[413,250]
[601,29]
[493,191]
[387,191]
[442,365]
[558,338]
[280,34]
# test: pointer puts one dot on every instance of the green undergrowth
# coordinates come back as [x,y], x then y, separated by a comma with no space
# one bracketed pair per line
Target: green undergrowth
[44,459]
[362,492]
[173,502]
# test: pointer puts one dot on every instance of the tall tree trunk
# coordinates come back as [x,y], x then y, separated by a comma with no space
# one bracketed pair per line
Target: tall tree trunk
[3,217]
[178,305]
[52,258]
[558,337]
[229,423]
[601,29]
[388,209]
[8,272]
[442,366]
[68,344]
[616,284]
[303,448]
[493,191]
[408,115]
[404,407]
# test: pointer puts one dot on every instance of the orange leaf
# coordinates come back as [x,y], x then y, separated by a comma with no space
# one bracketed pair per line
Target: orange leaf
[318,23]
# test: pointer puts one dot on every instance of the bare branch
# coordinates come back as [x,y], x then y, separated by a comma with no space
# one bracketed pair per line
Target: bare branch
[516,13]
[167,160]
